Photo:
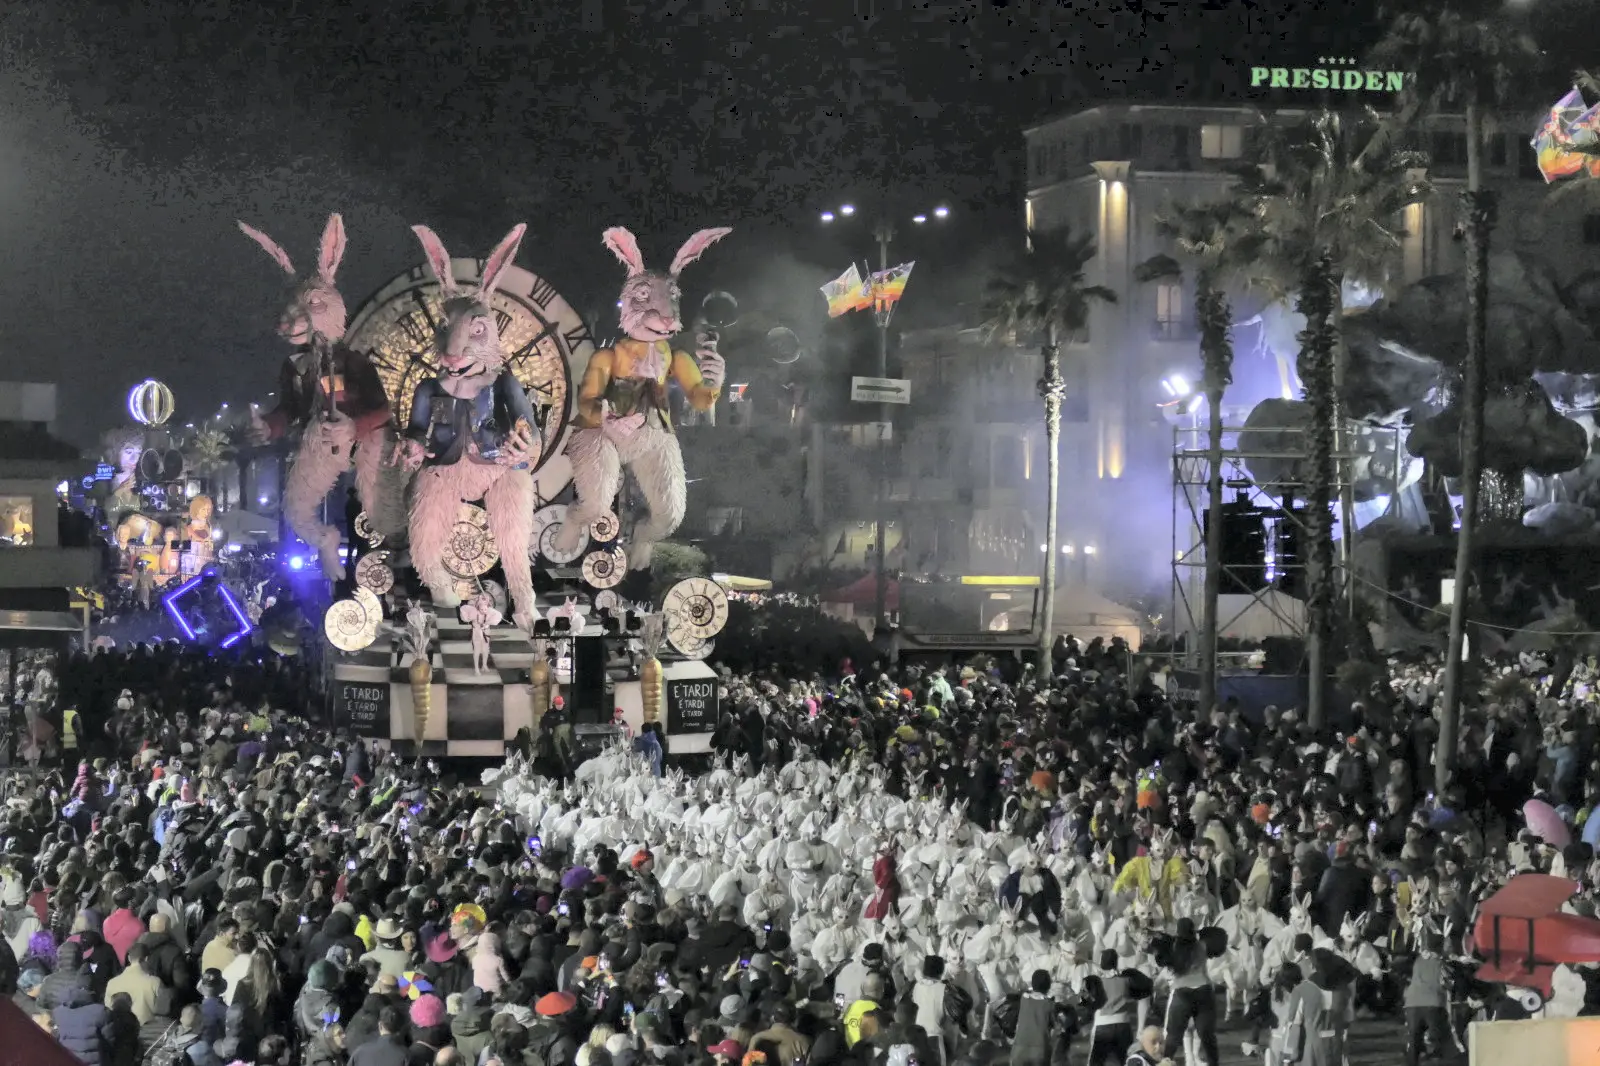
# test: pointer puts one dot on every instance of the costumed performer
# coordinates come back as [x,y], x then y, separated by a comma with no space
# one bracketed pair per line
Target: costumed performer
[623,418]
[474,431]
[331,394]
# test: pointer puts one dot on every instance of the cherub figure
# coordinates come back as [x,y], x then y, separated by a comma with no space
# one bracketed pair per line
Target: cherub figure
[481,613]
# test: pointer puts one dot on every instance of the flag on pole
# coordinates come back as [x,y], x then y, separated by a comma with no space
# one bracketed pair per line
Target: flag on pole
[889,285]
[845,293]
[1568,125]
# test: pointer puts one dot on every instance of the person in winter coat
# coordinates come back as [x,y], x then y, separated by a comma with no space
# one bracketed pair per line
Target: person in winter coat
[430,1029]
[389,1047]
[79,1020]
[1322,1004]
[1038,1028]
[317,1003]
[64,981]
[164,957]
[941,1008]
[122,927]
[139,986]
[781,1033]
[164,1022]
[469,1030]
[120,1033]
[237,1042]
[327,1048]
[488,965]
[390,957]
[213,1008]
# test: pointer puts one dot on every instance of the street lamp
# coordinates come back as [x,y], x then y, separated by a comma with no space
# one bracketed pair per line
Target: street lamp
[883,232]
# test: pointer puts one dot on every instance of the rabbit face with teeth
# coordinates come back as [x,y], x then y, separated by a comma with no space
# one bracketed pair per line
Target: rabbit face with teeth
[469,341]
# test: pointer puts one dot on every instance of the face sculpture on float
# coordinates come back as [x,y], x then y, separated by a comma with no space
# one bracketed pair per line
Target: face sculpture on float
[472,433]
[331,394]
[622,405]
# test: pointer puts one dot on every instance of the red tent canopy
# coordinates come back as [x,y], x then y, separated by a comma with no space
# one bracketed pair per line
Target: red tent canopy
[23,1043]
[863,592]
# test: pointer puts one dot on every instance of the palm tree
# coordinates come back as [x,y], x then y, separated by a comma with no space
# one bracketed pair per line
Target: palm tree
[1327,197]
[1044,293]
[207,451]
[1219,239]
[1462,56]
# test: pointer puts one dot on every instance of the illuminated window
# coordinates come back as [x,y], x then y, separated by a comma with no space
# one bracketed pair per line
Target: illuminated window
[1169,309]
[16,521]
[1221,142]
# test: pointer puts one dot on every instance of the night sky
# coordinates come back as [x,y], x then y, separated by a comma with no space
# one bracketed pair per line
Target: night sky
[132,135]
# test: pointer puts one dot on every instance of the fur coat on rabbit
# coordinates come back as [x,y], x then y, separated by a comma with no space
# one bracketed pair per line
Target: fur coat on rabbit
[333,397]
[622,415]
[472,434]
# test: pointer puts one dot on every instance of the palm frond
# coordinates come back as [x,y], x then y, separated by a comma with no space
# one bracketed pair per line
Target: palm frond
[1045,287]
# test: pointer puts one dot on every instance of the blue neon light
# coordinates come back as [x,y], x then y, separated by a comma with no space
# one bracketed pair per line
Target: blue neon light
[170,602]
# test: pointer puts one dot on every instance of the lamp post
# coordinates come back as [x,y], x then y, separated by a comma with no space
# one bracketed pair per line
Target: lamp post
[884,232]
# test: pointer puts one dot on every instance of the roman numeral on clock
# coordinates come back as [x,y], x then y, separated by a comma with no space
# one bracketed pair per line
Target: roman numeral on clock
[416,328]
[502,320]
[576,336]
[543,292]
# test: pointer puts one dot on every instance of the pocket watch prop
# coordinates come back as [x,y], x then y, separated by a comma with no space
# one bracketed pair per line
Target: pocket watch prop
[695,610]
[330,393]
[352,624]
[622,416]
[473,434]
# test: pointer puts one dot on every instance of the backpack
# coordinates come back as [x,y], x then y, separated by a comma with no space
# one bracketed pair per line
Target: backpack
[171,1049]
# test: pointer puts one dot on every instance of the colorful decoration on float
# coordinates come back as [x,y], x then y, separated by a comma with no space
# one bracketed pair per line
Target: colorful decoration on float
[622,416]
[150,403]
[352,624]
[696,610]
[1568,141]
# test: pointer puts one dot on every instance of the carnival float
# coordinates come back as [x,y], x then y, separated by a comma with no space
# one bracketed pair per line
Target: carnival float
[488,439]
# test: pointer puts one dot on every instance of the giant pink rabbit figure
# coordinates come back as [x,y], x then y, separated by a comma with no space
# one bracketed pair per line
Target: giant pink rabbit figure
[330,393]
[622,404]
[475,430]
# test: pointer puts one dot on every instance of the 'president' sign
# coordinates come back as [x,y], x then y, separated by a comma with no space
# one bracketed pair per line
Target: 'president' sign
[1338,76]
[692,705]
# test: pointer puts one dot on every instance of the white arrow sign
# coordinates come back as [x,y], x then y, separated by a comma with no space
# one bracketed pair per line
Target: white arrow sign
[880,390]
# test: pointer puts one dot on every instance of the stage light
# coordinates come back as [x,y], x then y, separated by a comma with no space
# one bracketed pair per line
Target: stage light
[847,210]
[261,500]
[919,219]
[1180,385]
[827,216]
[297,562]
[1088,549]
[238,613]
[1066,549]
[1194,404]
[941,212]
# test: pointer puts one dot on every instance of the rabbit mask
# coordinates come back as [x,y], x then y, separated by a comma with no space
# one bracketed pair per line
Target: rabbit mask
[469,338]
[315,308]
[649,301]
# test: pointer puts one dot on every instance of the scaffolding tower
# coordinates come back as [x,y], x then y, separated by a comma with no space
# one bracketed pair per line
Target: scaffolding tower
[1191,468]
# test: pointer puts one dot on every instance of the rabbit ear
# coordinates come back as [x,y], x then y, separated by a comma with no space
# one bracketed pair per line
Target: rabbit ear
[695,247]
[494,267]
[625,247]
[271,247]
[438,258]
[331,251]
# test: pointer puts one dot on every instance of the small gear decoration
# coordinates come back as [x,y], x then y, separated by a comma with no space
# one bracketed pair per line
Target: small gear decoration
[696,609]
[547,546]
[605,568]
[605,528]
[471,551]
[607,601]
[364,530]
[374,574]
[352,624]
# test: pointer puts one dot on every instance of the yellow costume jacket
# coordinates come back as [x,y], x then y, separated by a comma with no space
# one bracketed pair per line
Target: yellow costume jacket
[617,365]
[1135,876]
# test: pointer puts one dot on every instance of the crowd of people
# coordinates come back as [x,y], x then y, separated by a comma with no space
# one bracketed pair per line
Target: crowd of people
[208,879]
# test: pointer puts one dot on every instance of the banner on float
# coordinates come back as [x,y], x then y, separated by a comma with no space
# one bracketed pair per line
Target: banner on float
[693,705]
[361,708]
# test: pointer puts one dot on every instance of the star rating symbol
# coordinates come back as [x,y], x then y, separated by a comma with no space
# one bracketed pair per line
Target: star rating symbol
[1335,61]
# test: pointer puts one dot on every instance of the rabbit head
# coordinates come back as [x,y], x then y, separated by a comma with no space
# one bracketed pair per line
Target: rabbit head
[649,300]
[315,308]
[468,338]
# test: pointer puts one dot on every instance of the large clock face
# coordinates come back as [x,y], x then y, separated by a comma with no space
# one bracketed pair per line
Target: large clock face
[546,344]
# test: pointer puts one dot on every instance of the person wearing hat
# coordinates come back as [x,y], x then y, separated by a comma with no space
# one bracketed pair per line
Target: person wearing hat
[470,1028]
[726,1052]
[390,957]
[551,1038]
